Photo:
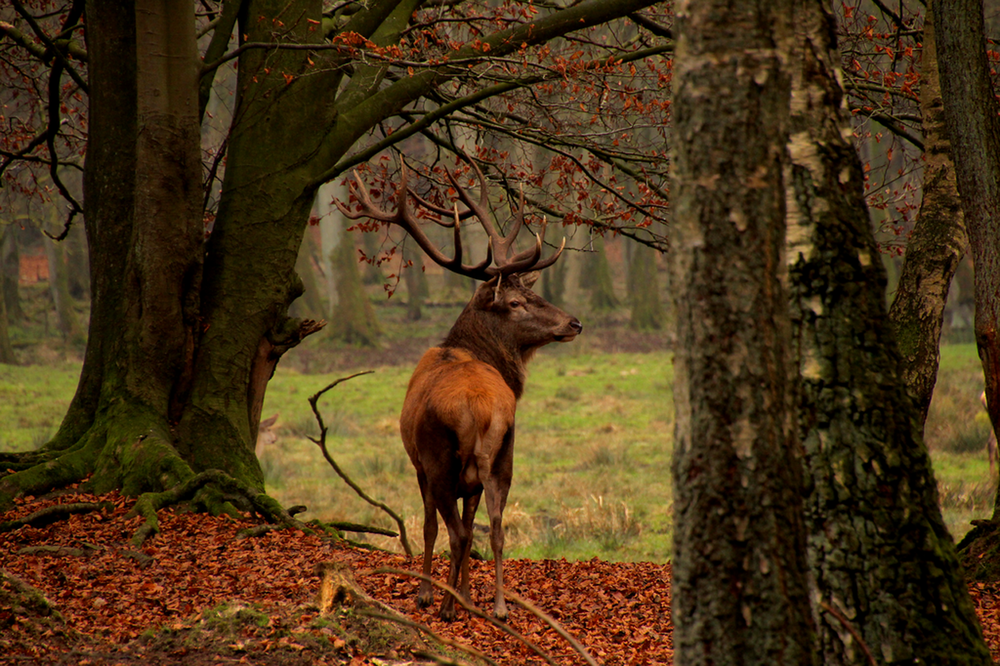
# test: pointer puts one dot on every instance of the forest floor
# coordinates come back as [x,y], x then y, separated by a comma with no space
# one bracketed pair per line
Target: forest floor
[76,592]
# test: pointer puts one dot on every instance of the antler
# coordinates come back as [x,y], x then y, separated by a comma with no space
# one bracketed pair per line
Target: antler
[499,247]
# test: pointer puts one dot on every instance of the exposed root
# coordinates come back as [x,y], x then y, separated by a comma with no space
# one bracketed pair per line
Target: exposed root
[51,514]
[27,605]
[261,503]
[51,469]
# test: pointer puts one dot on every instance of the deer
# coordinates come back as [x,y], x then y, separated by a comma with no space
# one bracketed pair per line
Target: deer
[457,421]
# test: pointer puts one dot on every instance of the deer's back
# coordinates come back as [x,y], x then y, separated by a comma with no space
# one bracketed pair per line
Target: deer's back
[456,399]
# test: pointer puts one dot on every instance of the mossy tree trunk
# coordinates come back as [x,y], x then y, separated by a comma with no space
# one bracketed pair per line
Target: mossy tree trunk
[740,594]
[936,245]
[881,557]
[185,333]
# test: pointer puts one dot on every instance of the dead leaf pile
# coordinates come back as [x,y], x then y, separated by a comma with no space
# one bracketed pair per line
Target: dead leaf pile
[104,603]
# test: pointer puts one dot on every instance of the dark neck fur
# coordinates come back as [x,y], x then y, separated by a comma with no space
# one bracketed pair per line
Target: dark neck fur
[477,332]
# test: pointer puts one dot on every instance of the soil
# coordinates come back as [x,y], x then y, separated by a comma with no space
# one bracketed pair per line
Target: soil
[77,592]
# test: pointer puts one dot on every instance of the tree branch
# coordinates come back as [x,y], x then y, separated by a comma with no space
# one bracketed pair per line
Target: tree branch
[321,442]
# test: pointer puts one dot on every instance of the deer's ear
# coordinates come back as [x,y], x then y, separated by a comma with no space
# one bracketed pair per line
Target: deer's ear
[529,279]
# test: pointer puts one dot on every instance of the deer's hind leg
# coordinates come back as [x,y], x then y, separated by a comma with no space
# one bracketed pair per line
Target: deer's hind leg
[459,539]
[469,508]
[425,593]
[496,486]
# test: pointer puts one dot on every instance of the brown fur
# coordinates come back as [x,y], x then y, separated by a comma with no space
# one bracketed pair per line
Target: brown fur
[457,422]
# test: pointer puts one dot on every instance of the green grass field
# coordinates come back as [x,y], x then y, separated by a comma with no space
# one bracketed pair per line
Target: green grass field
[592,461]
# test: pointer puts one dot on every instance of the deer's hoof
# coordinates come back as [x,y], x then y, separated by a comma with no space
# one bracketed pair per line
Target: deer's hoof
[447,613]
[500,612]
[424,600]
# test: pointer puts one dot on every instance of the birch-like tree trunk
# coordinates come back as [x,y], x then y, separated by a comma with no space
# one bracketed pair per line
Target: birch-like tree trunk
[882,561]
[739,569]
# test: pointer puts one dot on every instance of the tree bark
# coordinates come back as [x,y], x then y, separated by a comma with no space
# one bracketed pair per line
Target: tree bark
[971,114]
[882,561]
[739,570]
[936,245]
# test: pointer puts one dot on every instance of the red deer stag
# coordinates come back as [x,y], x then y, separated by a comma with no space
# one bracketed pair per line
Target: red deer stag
[457,422]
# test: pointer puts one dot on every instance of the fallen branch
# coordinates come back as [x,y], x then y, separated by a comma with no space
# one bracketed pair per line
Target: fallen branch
[51,514]
[443,640]
[60,551]
[365,529]
[448,589]
[321,442]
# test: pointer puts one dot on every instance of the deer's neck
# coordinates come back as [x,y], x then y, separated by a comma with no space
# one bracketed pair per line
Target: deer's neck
[487,344]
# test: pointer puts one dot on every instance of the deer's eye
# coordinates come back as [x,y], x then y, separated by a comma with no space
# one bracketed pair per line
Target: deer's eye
[516,304]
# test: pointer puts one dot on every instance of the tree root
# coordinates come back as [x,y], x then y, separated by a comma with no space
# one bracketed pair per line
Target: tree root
[53,513]
[60,551]
[23,599]
[261,503]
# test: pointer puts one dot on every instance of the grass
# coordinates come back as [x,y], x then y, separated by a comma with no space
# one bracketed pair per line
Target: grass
[592,462]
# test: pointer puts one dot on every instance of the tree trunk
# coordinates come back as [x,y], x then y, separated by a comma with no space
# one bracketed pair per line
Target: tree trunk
[883,563]
[739,570]
[596,277]
[68,322]
[265,206]
[143,218]
[6,350]
[971,114]
[644,290]
[10,269]
[935,247]
[417,290]
[354,321]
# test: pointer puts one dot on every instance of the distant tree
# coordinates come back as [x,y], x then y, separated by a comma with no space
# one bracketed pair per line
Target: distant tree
[354,320]
[596,277]
[6,349]
[554,282]
[9,272]
[644,291]
[417,290]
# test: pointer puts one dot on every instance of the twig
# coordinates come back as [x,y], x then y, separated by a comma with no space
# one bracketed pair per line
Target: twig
[850,628]
[444,640]
[468,607]
[321,442]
